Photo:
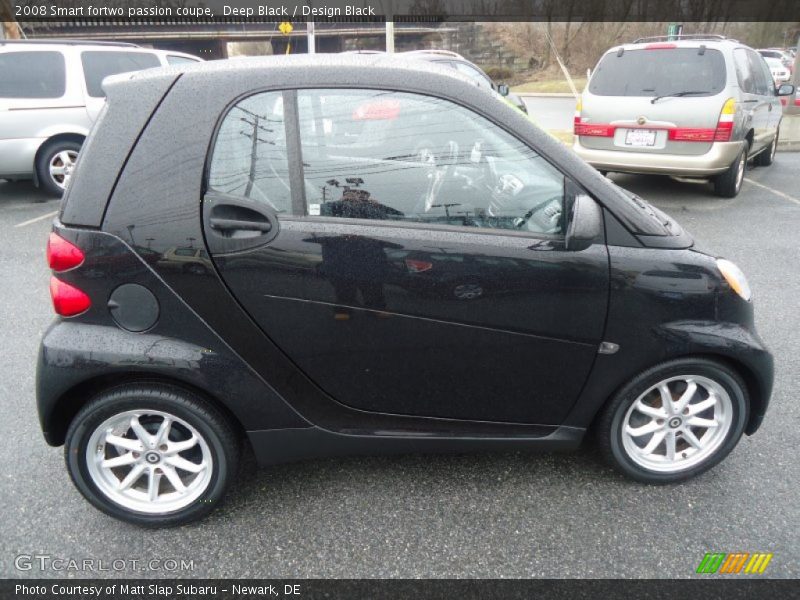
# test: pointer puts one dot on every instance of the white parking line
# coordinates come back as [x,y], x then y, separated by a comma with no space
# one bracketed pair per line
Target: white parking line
[49,215]
[774,191]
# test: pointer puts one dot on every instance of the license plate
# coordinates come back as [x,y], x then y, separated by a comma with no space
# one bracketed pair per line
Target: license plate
[640,137]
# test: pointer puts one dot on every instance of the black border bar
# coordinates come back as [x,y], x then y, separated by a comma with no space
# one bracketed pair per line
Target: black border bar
[390,589]
[209,11]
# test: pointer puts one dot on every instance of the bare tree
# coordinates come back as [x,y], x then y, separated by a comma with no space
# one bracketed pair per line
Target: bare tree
[10,29]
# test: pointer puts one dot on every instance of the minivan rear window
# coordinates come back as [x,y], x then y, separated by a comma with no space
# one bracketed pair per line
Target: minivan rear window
[659,72]
[98,64]
[32,75]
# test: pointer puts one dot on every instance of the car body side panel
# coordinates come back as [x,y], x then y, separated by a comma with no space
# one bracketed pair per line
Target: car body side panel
[681,307]
[174,155]
[180,346]
[108,150]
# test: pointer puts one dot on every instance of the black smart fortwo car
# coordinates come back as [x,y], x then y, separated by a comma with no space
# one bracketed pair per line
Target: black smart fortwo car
[363,254]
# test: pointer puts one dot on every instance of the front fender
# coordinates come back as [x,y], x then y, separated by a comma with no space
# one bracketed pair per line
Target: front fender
[733,343]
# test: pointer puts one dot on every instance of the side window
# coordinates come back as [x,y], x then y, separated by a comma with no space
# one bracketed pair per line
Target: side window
[770,89]
[99,64]
[744,73]
[479,78]
[180,60]
[372,154]
[249,156]
[763,81]
[32,75]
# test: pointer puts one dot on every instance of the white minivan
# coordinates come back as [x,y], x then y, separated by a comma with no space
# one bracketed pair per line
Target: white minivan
[50,95]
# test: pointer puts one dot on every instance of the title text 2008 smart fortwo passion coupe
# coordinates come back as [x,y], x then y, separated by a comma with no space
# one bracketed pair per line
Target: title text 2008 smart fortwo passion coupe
[360,254]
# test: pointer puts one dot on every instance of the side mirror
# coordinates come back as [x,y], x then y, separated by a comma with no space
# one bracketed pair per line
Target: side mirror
[585,223]
[786,89]
[502,89]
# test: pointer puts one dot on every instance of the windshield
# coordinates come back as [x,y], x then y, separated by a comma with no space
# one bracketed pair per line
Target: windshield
[659,72]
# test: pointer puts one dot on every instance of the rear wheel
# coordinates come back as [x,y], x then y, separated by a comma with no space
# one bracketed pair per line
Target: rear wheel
[729,183]
[674,421]
[767,156]
[151,455]
[55,165]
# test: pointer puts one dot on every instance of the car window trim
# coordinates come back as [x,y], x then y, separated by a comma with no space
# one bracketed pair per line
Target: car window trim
[294,153]
[401,224]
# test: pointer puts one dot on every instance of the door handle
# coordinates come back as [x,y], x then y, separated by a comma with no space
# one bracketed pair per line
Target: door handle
[239,224]
[235,224]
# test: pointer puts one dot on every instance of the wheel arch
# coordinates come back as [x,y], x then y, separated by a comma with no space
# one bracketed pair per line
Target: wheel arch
[73,399]
[757,398]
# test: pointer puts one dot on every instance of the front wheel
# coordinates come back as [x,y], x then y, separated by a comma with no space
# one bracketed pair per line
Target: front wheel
[151,455]
[729,183]
[674,421]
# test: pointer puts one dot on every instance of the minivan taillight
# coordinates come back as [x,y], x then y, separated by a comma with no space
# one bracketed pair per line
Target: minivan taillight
[580,128]
[68,300]
[725,123]
[61,254]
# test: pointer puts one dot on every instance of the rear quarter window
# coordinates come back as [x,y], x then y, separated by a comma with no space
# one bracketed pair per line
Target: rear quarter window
[32,75]
[98,64]
[180,60]
[659,72]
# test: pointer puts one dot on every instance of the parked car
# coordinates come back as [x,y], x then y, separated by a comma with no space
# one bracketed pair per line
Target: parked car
[697,107]
[50,95]
[780,73]
[301,177]
[786,59]
[474,72]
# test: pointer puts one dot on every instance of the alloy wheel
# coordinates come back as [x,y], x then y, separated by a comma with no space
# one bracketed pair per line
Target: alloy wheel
[61,166]
[149,461]
[677,423]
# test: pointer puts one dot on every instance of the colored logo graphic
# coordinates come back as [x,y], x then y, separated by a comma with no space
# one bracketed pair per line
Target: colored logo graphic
[737,562]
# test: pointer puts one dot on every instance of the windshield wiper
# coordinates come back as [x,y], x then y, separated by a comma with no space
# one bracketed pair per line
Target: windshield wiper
[687,93]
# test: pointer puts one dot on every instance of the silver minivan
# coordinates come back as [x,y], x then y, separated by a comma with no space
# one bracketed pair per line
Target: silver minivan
[50,95]
[696,107]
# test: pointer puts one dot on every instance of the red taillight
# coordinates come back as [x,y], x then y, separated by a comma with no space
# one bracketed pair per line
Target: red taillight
[597,130]
[660,46]
[68,300]
[418,266]
[61,254]
[686,134]
[724,131]
[377,110]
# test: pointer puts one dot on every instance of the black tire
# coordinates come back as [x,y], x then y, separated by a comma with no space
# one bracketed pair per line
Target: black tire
[729,183]
[51,149]
[767,155]
[216,430]
[609,433]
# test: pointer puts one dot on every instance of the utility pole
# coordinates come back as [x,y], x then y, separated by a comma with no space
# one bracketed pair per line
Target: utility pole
[312,40]
[390,35]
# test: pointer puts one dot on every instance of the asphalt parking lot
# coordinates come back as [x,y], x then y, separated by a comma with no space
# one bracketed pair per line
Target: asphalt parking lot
[499,515]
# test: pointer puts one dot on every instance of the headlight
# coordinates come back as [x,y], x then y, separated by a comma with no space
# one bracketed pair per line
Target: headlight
[735,278]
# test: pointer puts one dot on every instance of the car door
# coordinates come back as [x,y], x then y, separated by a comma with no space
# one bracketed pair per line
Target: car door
[759,100]
[406,253]
[774,109]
